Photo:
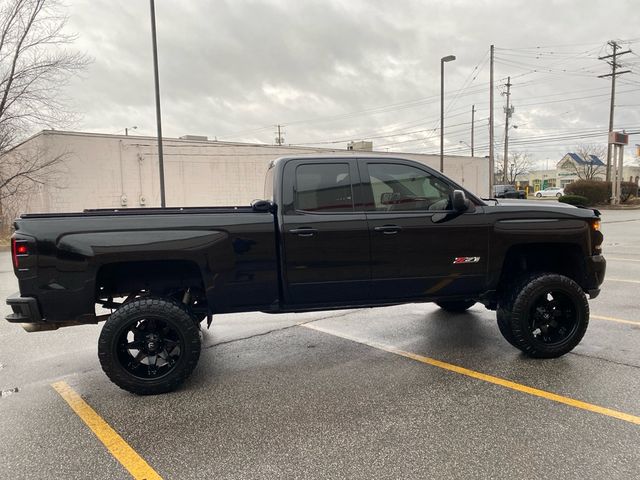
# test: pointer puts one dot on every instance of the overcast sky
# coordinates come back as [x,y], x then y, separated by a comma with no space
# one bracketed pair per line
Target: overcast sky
[333,71]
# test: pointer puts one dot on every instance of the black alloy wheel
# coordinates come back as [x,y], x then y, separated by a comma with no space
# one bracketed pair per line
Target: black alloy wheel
[149,346]
[553,317]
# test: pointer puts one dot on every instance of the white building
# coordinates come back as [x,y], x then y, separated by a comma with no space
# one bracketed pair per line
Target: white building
[574,167]
[119,171]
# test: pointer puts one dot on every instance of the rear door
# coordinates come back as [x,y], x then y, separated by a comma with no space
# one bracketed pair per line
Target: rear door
[325,236]
[420,248]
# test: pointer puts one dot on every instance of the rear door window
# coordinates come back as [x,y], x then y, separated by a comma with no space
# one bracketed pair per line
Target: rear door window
[324,188]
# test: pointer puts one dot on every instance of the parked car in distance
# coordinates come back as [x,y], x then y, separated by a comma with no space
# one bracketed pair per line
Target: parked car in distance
[550,192]
[508,191]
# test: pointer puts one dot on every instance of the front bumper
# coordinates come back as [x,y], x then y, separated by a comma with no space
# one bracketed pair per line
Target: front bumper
[596,267]
[25,309]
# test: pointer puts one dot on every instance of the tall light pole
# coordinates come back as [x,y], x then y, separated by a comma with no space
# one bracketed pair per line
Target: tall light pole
[158,116]
[473,122]
[448,58]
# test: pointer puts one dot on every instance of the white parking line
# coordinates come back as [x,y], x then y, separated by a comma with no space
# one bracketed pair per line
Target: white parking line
[609,279]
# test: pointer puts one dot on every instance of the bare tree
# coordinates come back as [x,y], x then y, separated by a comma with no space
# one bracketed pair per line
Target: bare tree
[519,164]
[35,66]
[591,168]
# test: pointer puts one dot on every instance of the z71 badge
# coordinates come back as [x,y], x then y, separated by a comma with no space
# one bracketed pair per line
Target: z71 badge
[466,260]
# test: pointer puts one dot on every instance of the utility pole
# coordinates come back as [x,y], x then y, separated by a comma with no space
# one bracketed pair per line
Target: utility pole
[614,73]
[279,139]
[158,115]
[473,112]
[491,157]
[508,111]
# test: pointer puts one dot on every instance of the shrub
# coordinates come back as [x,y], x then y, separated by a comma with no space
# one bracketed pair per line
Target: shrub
[628,190]
[574,200]
[594,191]
[600,192]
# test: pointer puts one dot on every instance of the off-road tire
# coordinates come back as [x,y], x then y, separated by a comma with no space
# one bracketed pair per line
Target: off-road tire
[456,306]
[174,314]
[515,319]
[504,326]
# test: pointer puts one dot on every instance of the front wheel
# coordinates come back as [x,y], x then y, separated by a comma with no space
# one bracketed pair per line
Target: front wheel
[149,346]
[545,315]
[538,195]
[456,307]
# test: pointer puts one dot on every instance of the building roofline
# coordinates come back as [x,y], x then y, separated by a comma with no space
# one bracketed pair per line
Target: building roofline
[148,138]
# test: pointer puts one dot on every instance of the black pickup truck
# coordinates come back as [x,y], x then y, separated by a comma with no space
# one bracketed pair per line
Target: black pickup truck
[331,233]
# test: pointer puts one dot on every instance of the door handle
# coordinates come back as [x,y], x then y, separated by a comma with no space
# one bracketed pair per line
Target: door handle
[388,229]
[304,231]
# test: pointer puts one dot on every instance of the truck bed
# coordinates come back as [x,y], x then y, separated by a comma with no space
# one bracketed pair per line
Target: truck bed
[94,212]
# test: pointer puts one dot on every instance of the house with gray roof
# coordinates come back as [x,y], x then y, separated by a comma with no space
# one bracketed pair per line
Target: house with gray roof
[574,166]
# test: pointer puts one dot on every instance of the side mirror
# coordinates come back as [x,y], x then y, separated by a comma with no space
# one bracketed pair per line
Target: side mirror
[262,206]
[459,201]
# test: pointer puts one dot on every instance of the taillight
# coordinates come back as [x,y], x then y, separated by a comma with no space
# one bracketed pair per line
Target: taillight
[19,250]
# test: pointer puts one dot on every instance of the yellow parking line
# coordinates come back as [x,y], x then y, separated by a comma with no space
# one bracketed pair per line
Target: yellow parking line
[127,456]
[484,377]
[609,279]
[614,319]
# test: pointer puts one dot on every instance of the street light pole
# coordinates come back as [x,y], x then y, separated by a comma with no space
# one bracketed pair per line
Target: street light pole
[158,115]
[448,58]
[473,114]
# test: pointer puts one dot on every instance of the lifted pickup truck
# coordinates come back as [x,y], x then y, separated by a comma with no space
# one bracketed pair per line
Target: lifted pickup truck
[332,232]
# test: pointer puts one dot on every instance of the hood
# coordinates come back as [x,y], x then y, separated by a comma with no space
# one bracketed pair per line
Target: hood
[542,206]
[533,204]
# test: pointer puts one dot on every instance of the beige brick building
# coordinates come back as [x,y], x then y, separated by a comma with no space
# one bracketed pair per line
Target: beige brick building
[119,171]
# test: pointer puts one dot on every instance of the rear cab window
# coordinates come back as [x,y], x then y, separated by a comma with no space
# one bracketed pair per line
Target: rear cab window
[323,188]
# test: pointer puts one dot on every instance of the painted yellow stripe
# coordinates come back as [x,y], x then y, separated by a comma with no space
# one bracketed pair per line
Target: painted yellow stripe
[484,377]
[614,319]
[608,279]
[127,456]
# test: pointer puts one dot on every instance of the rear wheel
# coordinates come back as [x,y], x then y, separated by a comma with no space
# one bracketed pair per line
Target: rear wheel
[545,315]
[457,306]
[149,346]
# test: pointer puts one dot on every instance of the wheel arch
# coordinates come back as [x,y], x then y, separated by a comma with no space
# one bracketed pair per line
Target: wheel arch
[158,276]
[562,258]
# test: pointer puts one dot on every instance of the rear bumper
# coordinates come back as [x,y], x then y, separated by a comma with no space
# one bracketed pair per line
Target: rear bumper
[596,268]
[25,309]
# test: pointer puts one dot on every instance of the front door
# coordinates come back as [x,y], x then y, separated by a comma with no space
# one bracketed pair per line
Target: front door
[324,232]
[420,248]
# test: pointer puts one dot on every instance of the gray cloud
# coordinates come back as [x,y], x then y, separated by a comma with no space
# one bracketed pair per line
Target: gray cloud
[229,69]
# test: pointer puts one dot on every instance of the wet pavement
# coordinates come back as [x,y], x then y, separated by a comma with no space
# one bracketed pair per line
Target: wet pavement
[273,399]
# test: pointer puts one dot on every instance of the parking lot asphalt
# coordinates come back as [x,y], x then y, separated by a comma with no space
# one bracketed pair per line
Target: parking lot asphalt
[337,397]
